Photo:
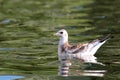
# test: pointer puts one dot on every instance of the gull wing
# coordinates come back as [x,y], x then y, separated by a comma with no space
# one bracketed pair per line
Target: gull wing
[76,48]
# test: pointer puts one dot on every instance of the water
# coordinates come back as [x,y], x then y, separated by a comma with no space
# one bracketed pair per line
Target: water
[10,77]
[28,48]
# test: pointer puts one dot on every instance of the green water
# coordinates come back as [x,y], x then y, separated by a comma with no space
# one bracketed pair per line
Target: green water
[28,47]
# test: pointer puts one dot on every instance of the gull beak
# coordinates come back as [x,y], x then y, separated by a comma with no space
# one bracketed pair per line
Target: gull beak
[56,34]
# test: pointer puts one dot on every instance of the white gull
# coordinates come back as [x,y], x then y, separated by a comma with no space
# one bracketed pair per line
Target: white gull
[83,52]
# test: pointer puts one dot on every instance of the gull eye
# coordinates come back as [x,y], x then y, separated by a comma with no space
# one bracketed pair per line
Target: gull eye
[61,32]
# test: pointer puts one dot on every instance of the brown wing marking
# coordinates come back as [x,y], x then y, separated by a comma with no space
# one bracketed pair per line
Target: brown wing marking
[74,49]
[77,48]
[80,49]
[65,47]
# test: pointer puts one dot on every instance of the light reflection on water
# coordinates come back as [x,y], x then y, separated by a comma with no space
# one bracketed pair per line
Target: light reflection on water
[99,73]
[96,73]
[10,77]
[11,49]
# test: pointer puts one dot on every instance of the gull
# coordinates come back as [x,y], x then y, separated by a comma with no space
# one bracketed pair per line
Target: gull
[82,52]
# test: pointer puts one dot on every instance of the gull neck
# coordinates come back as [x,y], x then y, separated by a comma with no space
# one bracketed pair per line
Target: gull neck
[63,40]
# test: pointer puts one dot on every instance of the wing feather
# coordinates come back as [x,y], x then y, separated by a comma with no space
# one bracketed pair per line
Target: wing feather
[76,48]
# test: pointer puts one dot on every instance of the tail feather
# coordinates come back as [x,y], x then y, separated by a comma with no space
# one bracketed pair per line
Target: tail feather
[96,44]
[104,38]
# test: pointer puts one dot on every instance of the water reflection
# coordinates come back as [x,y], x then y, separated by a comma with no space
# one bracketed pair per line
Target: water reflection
[99,73]
[10,77]
[90,67]
[89,72]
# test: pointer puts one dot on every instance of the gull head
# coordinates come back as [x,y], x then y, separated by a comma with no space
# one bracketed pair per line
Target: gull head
[62,33]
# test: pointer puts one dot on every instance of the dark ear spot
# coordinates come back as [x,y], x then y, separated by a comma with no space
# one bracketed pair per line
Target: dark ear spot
[61,32]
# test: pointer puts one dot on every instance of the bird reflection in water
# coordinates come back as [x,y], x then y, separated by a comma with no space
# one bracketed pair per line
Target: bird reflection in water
[91,68]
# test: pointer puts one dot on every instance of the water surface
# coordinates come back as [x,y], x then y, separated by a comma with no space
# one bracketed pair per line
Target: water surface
[28,48]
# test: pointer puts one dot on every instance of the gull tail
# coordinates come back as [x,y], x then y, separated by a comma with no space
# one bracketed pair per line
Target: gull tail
[96,44]
[104,38]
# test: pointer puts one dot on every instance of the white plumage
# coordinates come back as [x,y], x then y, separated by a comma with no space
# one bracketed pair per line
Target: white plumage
[84,52]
